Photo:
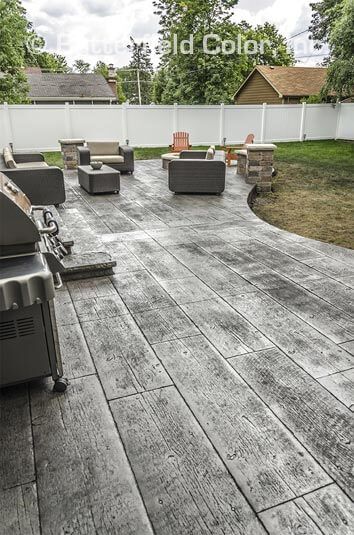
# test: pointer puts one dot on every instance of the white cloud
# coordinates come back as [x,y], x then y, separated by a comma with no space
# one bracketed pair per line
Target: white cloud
[93,29]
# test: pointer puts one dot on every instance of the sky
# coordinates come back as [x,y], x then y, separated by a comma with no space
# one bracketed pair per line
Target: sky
[97,29]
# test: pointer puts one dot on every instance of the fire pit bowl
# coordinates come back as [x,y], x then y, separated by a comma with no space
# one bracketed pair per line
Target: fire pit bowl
[96,165]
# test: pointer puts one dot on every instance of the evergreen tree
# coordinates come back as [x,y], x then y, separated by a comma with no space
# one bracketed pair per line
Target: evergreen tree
[81,66]
[137,77]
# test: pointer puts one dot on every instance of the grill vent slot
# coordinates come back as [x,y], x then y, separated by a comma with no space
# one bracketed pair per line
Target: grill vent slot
[7,330]
[22,327]
[25,326]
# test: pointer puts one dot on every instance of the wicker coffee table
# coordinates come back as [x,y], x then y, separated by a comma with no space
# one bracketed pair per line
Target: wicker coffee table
[104,180]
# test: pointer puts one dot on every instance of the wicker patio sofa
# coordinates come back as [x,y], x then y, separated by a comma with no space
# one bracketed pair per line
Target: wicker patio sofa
[111,153]
[193,173]
[42,183]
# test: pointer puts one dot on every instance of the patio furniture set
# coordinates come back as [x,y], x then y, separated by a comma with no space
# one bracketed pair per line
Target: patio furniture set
[100,163]
[42,183]
[188,171]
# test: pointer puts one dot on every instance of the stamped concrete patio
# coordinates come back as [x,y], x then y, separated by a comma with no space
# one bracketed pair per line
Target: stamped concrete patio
[211,377]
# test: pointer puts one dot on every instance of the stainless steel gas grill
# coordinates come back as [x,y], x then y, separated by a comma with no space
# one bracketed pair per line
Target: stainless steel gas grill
[30,267]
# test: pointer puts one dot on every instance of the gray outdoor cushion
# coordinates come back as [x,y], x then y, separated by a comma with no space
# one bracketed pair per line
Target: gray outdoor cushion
[102,148]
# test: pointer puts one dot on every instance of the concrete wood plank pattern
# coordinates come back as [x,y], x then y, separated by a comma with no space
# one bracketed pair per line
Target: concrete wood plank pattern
[268,464]
[188,290]
[75,354]
[222,346]
[124,359]
[100,307]
[280,262]
[326,511]
[330,266]
[333,292]
[158,261]
[93,491]
[19,510]
[227,330]
[185,486]
[126,261]
[318,420]
[216,275]
[141,292]
[321,315]
[349,346]
[253,271]
[17,457]
[64,308]
[90,288]
[165,324]
[306,346]
[341,385]
[138,214]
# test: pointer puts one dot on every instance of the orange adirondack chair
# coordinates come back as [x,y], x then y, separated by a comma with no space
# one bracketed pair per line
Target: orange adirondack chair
[230,151]
[180,142]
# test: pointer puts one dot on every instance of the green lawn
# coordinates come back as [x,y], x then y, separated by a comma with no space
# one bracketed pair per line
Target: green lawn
[313,193]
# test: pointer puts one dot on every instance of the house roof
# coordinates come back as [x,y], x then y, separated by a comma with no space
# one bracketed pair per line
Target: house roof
[292,81]
[60,86]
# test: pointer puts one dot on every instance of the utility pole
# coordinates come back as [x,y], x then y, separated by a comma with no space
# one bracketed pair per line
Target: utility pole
[139,90]
[138,75]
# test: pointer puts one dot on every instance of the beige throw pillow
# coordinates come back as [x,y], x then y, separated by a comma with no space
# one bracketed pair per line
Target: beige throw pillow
[9,159]
[210,154]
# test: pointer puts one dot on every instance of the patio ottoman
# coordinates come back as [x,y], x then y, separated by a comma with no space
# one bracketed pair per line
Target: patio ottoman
[104,180]
[168,157]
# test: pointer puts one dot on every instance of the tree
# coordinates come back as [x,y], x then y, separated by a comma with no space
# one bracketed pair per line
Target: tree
[136,78]
[14,32]
[101,68]
[81,66]
[340,76]
[324,16]
[201,78]
[333,24]
[50,62]
[195,78]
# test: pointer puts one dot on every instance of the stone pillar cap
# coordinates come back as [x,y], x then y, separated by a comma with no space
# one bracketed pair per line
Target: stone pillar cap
[242,152]
[70,141]
[260,146]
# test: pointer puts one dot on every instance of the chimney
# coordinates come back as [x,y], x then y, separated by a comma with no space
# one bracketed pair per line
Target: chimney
[112,80]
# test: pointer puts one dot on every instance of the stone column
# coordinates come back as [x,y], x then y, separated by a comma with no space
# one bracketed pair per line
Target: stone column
[242,162]
[260,165]
[69,151]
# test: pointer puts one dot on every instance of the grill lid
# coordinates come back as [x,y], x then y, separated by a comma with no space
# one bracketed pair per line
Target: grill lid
[25,281]
[16,223]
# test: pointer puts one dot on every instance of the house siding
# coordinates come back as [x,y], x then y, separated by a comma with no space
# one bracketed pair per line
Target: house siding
[256,91]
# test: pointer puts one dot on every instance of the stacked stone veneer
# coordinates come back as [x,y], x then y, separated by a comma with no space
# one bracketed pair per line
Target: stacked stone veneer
[69,152]
[260,158]
[242,162]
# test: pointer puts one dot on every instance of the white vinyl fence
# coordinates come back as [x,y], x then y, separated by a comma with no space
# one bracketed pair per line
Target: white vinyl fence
[39,127]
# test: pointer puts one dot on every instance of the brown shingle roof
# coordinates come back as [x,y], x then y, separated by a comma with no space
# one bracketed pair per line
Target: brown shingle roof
[294,81]
[68,86]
